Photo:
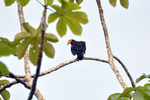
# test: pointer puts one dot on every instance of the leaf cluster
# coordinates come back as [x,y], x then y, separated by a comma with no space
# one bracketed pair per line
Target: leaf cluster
[138,93]
[32,39]
[67,16]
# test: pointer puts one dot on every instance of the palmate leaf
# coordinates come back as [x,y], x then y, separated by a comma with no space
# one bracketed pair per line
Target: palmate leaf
[33,38]
[67,16]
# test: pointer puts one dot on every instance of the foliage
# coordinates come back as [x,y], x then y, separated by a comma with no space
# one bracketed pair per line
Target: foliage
[124,3]
[67,16]
[7,47]
[33,38]
[5,94]
[138,93]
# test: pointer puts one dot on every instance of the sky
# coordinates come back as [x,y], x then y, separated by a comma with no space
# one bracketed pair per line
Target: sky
[85,80]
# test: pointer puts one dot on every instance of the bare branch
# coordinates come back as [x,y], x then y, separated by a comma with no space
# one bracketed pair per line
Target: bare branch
[64,64]
[17,79]
[109,52]
[126,70]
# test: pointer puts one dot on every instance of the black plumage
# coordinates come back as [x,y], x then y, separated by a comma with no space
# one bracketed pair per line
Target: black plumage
[77,48]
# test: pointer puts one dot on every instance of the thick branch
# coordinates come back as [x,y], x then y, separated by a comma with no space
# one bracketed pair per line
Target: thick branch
[110,55]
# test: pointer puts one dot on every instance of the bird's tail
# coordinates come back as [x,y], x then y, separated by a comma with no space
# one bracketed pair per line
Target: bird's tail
[80,56]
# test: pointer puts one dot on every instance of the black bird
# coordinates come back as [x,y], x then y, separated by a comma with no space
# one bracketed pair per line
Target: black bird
[77,48]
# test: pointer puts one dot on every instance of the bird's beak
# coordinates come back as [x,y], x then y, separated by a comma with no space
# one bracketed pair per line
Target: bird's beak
[69,41]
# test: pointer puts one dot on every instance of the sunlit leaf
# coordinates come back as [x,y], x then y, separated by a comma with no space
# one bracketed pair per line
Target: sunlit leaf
[3,82]
[49,2]
[61,26]
[5,94]
[3,69]
[70,6]
[50,37]
[49,50]
[21,36]
[29,29]
[9,2]
[22,47]
[52,17]
[74,26]
[79,1]
[113,2]
[78,16]
[114,96]
[23,2]
[124,3]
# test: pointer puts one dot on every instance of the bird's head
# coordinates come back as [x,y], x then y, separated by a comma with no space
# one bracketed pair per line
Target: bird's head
[69,41]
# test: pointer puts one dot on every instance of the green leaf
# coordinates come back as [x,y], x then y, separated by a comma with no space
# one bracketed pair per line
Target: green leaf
[9,2]
[113,2]
[61,26]
[29,28]
[78,16]
[23,2]
[6,47]
[49,2]
[79,1]
[74,26]
[34,52]
[22,47]
[114,96]
[126,92]
[124,3]
[3,69]
[21,36]
[5,94]
[3,82]
[50,37]
[70,6]
[142,77]
[138,96]
[52,17]
[49,49]
[56,7]
[6,50]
